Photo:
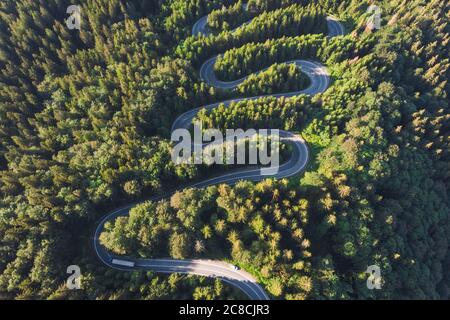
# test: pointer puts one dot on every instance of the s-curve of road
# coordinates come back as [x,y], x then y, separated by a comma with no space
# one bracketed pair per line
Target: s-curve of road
[240,279]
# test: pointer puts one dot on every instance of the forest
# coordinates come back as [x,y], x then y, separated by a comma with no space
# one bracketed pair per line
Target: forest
[85,121]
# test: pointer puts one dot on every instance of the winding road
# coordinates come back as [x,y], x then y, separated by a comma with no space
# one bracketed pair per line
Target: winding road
[296,164]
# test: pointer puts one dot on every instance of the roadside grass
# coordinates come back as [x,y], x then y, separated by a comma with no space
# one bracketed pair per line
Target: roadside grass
[252,270]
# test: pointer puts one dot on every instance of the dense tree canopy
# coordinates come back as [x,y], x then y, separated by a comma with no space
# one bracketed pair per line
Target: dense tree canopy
[85,119]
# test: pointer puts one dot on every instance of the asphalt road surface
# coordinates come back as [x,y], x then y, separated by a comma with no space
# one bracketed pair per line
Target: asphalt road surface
[296,164]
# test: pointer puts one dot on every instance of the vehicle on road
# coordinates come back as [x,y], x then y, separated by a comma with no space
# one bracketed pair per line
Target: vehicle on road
[123,263]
